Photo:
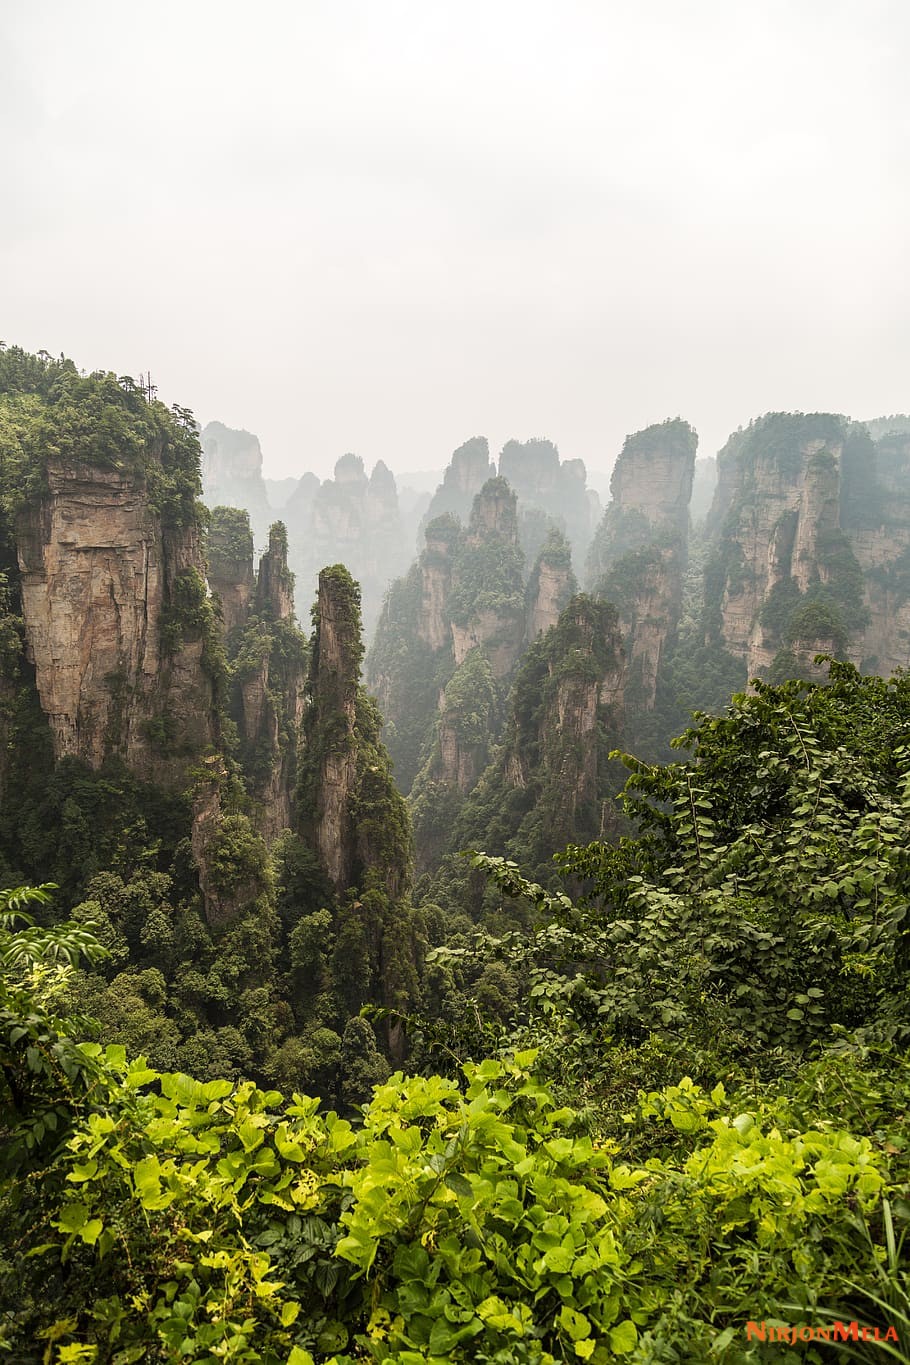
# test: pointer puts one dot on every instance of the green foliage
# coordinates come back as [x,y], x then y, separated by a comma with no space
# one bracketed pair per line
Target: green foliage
[345,596]
[777,439]
[674,435]
[487,577]
[237,856]
[764,900]
[43,1074]
[274,652]
[817,621]
[71,822]
[408,672]
[213,1221]
[95,420]
[622,531]
[229,542]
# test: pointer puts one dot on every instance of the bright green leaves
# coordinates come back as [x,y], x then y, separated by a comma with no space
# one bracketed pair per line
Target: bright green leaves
[450,1226]
[623,1338]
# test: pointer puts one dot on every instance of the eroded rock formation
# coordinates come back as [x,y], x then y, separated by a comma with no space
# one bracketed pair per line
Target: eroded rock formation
[352,519]
[268,666]
[551,585]
[232,474]
[638,558]
[229,555]
[784,581]
[348,806]
[117,622]
[465,475]
[551,781]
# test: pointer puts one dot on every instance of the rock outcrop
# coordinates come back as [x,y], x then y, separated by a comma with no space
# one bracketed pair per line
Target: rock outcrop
[487,599]
[638,558]
[355,520]
[229,555]
[268,672]
[465,593]
[349,810]
[551,781]
[465,475]
[784,581]
[117,621]
[232,474]
[551,493]
[275,584]
[551,585]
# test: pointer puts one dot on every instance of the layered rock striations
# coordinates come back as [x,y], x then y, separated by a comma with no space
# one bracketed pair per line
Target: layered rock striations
[117,621]
[796,498]
[639,554]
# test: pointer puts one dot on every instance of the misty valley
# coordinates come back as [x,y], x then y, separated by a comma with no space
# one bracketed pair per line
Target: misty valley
[450,917]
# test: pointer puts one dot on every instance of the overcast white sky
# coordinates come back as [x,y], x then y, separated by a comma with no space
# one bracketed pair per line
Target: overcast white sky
[388,225]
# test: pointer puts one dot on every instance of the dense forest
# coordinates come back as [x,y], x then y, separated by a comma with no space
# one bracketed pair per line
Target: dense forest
[542,997]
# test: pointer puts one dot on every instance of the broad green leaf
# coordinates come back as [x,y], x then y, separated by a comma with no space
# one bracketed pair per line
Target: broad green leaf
[624,1337]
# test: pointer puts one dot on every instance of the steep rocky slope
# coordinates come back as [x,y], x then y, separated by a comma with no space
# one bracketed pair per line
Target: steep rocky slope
[465,475]
[551,493]
[229,557]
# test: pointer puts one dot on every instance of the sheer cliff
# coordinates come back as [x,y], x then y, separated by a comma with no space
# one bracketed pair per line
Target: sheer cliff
[550,781]
[349,809]
[267,669]
[551,493]
[639,555]
[796,494]
[232,474]
[465,594]
[110,574]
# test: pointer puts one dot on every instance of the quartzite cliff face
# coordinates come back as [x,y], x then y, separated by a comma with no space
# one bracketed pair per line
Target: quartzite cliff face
[804,529]
[268,673]
[638,558]
[232,473]
[348,808]
[116,622]
[550,782]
